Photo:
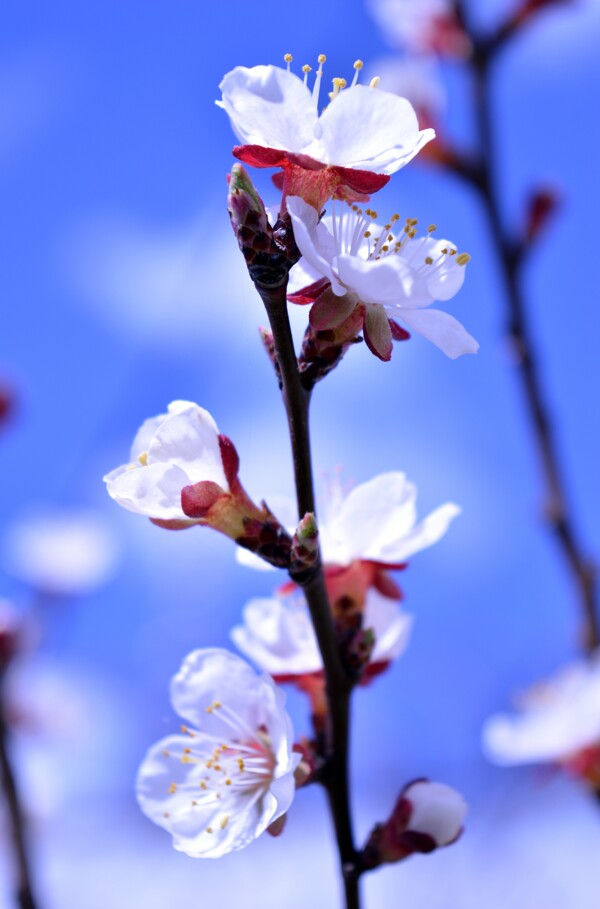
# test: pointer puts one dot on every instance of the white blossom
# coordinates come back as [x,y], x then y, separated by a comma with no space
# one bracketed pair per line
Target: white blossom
[362,128]
[557,719]
[437,810]
[420,26]
[375,521]
[227,776]
[170,451]
[393,275]
[277,633]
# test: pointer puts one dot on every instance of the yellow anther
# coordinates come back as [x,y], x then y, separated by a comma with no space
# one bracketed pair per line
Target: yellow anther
[203,785]
[373,214]
[194,802]
[228,782]
[321,58]
[452,252]
[358,64]
[306,68]
[395,218]
[445,251]
[240,763]
[288,58]
[431,228]
[209,830]
[208,709]
[367,234]
[390,237]
[374,81]
[143,458]
[186,759]
[172,788]
[187,731]
[217,767]
[412,234]
[385,248]
[217,704]
[187,750]
[428,261]
[463,259]
[224,822]
[413,221]
[387,226]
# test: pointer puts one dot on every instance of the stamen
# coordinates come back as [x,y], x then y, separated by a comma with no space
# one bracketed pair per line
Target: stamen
[428,261]
[338,85]
[431,229]
[463,259]
[306,70]
[374,81]
[172,789]
[288,59]
[358,65]
[317,86]
[143,458]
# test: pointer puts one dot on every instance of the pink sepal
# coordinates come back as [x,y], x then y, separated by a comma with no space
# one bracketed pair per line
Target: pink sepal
[331,311]
[310,293]
[174,524]
[378,333]
[398,333]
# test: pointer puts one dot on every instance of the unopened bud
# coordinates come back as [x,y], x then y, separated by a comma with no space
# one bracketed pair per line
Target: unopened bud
[542,205]
[305,545]
[427,816]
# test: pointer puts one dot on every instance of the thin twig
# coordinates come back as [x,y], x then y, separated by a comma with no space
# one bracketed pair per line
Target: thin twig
[338,684]
[24,898]
[558,511]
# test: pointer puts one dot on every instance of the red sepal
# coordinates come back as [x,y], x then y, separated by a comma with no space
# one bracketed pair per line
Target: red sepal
[398,333]
[198,499]
[230,460]
[259,155]
[310,293]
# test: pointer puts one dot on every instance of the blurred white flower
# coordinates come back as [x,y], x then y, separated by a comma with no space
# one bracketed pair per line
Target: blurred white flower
[421,26]
[418,80]
[376,521]
[393,276]
[278,634]
[65,552]
[221,782]
[557,719]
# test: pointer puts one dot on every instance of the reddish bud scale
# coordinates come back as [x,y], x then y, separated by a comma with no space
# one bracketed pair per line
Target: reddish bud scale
[268,540]
[322,350]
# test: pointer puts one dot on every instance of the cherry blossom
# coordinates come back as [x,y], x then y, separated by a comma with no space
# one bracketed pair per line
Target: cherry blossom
[359,264]
[375,521]
[349,149]
[277,634]
[229,775]
[558,722]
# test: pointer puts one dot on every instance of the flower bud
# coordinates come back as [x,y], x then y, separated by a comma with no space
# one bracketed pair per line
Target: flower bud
[427,816]
[305,546]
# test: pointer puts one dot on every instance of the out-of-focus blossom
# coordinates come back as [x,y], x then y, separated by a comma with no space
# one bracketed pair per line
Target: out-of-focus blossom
[230,774]
[10,633]
[426,816]
[558,722]
[358,263]
[62,552]
[278,635]
[349,149]
[418,80]
[421,26]
[375,522]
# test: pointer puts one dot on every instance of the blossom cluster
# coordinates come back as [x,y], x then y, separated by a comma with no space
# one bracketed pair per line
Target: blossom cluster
[232,771]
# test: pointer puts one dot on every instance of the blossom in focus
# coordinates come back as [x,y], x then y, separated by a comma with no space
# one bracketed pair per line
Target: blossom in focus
[353,263]
[375,522]
[229,775]
[426,816]
[349,149]
[558,722]
[421,26]
[61,552]
[277,634]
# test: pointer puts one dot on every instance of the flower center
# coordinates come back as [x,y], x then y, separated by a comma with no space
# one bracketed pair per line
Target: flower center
[338,83]
[357,234]
[241,763]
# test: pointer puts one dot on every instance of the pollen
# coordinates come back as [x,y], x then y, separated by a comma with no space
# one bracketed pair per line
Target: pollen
[288,58]
[143,458]
[321,58]
[463,259]
[431,229]
[172,788]
[228,782]
[224,822]
[358,64]
[306,68]
[374,81]
[428,261]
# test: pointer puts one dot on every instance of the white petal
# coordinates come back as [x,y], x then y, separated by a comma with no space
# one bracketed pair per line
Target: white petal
[438,810]
[387,281]
[278,636]
[400,547]
[390,625]
[314,241]
[369,129]
[373,515]
[154,491]
[189,440]
[144,435]
[270,107]
[441,329]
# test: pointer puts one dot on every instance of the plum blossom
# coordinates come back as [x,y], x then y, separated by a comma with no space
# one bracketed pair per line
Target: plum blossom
[61,552]
[421,26]
[349,149]
[426,816]
[353,263]
[229,775]
[558,722]
[375,521]
[277,634]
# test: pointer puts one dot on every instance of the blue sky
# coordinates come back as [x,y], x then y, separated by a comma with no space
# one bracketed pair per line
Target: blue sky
[123,290]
